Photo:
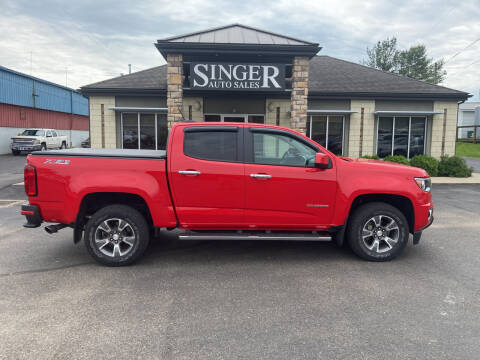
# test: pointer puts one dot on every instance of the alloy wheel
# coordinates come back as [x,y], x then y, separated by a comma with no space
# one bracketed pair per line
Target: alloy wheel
[115,237]
[380,233]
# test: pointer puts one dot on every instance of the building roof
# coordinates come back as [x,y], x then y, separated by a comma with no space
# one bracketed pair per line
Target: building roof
[236,34]
[150,79]
[236,39]
[26,76]
[469,106]
[21,89]
[328,77]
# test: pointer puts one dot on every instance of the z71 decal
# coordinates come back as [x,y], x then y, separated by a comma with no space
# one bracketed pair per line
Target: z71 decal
[56,162]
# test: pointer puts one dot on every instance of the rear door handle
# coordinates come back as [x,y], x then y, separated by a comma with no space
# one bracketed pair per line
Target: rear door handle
[189,172]
[261,176]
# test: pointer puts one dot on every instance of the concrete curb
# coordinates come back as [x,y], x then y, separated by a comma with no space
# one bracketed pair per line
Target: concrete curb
[474,179]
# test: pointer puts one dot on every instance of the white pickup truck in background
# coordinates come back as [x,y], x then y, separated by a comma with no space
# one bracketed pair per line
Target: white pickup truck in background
[38,139]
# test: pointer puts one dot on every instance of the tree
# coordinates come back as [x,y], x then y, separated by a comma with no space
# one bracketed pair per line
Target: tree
[413,63]
[384,55]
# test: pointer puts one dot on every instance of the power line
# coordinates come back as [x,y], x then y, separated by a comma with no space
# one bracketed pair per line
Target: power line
[465,48]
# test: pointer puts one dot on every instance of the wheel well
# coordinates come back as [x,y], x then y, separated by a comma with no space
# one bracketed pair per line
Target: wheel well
[402,203]
[91,203]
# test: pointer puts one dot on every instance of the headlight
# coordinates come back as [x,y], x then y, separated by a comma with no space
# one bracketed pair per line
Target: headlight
[424,183]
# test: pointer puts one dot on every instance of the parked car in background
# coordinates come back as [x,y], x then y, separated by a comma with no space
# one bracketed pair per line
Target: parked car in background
[38,139]
[86,143]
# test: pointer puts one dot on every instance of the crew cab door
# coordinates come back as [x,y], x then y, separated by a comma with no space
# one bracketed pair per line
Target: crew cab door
[283,188]
[206,173]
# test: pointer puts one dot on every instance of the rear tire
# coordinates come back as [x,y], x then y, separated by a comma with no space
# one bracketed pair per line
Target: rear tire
[377,232]
[116,235]
[63,146]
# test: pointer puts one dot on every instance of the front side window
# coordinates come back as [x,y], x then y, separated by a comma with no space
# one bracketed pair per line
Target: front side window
[276,149]
[401,135]
[211,145]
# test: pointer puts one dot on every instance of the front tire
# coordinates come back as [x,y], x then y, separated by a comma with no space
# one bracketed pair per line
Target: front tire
[378,232]
[43,147]
[116,235]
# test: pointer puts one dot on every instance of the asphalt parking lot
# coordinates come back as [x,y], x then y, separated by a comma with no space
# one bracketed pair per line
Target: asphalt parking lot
[265,300]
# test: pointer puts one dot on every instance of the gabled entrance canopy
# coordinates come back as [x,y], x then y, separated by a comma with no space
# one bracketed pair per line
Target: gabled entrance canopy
[236,39]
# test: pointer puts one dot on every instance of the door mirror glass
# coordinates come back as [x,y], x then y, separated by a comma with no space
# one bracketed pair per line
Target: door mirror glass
[321,161]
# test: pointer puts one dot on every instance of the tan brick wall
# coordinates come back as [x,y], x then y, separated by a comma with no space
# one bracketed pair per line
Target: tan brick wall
[298,119]
[174,88]
[437,128]
[96,122]
[271,111]
[197,108]
[368,146]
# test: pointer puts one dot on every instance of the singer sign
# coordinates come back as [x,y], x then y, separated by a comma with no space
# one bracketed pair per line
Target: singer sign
[237,76]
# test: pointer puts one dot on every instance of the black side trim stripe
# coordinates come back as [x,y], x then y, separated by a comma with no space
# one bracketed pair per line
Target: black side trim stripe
[99,156]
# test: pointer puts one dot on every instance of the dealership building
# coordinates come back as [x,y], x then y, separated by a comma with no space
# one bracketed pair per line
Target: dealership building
[238,73]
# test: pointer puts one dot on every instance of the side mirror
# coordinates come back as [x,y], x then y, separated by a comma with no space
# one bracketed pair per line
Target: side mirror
[322,161]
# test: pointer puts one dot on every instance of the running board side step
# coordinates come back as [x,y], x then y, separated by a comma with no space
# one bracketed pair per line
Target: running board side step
[246,236]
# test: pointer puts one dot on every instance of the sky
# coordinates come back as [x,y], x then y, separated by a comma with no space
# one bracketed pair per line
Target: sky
[76,43]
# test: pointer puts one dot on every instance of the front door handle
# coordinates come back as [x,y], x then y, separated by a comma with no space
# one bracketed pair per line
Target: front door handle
[261,176]
[189,172]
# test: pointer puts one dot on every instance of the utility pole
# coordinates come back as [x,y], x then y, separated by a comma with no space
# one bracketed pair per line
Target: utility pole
[31,56]
[129,68]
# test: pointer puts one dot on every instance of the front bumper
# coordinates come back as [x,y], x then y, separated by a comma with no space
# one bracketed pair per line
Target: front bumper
[25,147]
[417,235]
[32,214]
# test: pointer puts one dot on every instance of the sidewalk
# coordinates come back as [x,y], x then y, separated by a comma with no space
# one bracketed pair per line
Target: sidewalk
[474,179]
[474,163]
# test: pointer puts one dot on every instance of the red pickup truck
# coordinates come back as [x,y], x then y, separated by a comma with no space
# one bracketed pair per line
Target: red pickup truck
[222,181]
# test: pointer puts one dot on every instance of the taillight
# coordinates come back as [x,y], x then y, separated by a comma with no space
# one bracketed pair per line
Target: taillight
[30,180]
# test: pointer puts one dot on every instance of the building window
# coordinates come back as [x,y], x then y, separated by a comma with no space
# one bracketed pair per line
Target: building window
[251,118]
[144,131]
[328,131]
[401,135]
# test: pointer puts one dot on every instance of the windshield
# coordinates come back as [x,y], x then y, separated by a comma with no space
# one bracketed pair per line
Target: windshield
[33,132]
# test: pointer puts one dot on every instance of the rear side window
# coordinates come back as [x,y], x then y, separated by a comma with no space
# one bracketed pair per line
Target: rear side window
[54,133]
[211,145]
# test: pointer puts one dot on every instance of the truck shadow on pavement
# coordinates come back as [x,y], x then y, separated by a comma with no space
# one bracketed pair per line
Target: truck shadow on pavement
[171,249]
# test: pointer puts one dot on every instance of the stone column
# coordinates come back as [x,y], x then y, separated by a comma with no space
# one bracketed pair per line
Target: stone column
[174,88]
[298,120]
